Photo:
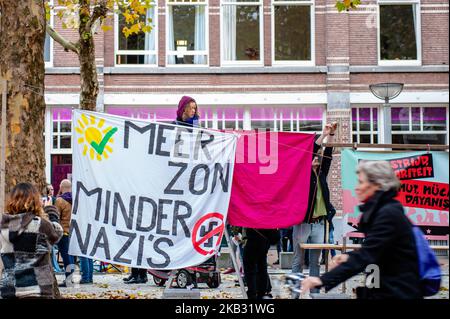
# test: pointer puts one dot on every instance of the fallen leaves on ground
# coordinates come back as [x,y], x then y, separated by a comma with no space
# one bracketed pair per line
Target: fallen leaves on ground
[116,294]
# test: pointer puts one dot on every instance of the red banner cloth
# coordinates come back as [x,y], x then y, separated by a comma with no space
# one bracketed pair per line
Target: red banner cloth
[271,179]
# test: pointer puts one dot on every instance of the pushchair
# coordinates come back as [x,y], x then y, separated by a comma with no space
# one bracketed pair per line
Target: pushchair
[204,273]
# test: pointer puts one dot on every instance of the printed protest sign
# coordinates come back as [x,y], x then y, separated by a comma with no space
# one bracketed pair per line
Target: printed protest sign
[424,190]
[148,195]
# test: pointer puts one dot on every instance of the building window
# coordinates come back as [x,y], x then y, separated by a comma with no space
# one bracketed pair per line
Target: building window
[399,32]
[230,118]
[61,130]
[48,45]
[138,49]
[410,125]
[156,114]
[419,125]
[302,119]
[365,125]
[187,32]
[242,31]
[293,31]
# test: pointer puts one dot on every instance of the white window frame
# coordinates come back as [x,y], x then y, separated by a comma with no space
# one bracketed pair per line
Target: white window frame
[295,120]
[410,131]
[58,134]
[190,52]
[310,3]
[137,52]
[49,64]
[380,119]
[225,63]
[371,132]
[417,7]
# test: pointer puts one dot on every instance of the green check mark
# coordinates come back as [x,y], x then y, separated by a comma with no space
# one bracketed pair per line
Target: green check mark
[99,148]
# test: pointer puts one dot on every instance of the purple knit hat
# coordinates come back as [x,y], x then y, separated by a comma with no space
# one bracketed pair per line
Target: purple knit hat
[182,104]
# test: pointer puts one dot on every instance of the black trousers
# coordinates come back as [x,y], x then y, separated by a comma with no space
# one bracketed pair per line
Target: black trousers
[138,273]
[255,267]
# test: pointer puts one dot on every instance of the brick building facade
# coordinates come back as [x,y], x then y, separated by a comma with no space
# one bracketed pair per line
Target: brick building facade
[237,60]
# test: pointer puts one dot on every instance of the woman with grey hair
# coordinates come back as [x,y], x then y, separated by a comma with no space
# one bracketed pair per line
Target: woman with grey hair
[388,246]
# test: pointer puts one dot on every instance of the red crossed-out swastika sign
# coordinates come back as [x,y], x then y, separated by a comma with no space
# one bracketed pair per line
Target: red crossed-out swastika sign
[205,229]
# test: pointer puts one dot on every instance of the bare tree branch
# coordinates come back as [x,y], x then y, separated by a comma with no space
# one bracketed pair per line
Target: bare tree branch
[67,45]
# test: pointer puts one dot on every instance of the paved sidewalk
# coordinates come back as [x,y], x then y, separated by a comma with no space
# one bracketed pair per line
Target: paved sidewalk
[111,286]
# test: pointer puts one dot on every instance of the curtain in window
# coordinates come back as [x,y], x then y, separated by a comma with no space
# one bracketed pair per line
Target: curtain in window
[229,32]
[200,34]
[415,23]
[150,37]
[171,58]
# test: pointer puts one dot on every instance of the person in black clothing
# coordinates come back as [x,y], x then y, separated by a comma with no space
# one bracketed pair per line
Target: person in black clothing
[137,276]
[256,247]
[312,229]
[389,240]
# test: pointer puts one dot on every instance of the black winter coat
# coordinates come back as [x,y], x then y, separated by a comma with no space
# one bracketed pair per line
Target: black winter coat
[389,243]
[324,169]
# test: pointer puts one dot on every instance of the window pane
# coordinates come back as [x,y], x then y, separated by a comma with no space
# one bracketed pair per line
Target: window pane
[397,32]
[364,119]
[55,142]
[415,114]
[65,141]
[135,59]
[241,33]
[363,138]
[375,138]
[288,119]
[354,123]
[354,138]
[434,119]
[419,138]
[64,114]
[66,127]
[55,127]
[375,119]
[206,116]
[126,112]
[47,48]
[227,116]
[262,118]
[310,118]
[134,41]
[187,32]
[167,115]
[400,118]
[292,33]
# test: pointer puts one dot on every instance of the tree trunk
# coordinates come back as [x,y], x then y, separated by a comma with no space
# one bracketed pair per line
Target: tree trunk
[22,36]
[88,68]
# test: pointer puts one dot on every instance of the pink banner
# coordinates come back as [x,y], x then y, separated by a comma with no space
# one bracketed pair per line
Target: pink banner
[271,179]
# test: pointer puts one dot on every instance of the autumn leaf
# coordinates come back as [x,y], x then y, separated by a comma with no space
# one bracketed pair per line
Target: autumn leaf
[106,27]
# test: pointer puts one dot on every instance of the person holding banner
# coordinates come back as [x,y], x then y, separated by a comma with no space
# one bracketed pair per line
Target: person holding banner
[389,246]
[319,206]
[187,112]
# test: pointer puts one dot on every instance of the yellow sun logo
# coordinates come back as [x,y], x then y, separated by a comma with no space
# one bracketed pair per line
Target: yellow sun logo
[94,137]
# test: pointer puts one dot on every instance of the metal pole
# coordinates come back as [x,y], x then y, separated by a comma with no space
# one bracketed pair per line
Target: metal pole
[387,127]
[3,87]
[236,268]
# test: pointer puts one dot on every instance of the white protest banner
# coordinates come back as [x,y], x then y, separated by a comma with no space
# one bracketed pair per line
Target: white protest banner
[147,194]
